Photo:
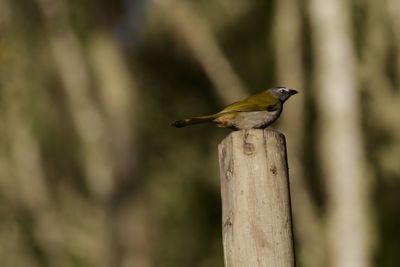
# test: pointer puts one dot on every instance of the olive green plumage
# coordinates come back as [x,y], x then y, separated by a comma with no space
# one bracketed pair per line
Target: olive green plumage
[257,111]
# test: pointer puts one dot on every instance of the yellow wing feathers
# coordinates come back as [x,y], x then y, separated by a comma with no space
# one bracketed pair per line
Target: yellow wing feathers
[261,101]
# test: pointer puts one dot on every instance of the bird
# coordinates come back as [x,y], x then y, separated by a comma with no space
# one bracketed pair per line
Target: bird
[254,112]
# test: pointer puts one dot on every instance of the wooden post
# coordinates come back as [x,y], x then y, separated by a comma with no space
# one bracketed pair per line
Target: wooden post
[256,214]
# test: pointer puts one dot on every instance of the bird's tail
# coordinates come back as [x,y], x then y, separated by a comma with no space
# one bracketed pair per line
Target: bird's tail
[191,121]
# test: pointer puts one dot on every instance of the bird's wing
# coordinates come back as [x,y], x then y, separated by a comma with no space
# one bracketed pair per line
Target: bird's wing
[257,102]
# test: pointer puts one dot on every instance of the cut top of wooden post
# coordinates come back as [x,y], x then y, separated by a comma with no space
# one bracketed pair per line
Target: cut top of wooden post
[256,214]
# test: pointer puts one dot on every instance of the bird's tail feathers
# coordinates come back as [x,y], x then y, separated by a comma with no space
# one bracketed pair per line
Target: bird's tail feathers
[194,120]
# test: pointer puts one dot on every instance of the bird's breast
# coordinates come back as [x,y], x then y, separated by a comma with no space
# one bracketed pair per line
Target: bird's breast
[255,119]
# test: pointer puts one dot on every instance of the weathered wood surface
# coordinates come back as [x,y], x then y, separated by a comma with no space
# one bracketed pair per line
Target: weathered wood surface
[256,214]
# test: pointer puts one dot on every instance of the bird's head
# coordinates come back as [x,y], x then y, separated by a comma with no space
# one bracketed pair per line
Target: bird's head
[282,93]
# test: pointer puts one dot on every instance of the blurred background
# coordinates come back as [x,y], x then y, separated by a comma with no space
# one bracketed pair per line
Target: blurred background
[91,173]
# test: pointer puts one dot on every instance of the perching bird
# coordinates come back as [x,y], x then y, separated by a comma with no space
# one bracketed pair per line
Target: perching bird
[257,111]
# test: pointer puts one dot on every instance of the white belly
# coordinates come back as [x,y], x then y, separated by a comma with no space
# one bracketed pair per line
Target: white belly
[255,119]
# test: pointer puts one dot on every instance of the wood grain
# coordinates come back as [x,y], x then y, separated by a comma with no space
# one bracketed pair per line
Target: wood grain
[256,214]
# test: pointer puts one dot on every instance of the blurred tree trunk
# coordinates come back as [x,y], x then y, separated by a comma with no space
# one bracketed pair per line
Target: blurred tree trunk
[340,136]
[393,10]
[290,72]
[70,61]
[382,24]
[189,26]
[128,219]
[99,153]
[118,93]
[27,190]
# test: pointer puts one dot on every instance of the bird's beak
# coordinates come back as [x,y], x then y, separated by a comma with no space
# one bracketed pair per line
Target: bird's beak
[292,92]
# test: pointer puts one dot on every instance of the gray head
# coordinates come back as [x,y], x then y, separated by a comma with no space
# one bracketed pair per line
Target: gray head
[282,93]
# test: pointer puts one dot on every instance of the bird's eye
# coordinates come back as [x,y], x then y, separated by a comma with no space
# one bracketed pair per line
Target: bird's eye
[282,91]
